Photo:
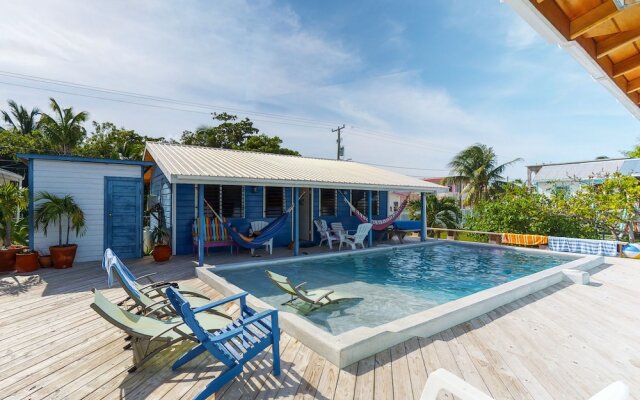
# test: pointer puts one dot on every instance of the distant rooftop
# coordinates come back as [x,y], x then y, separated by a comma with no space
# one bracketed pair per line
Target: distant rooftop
[585,169]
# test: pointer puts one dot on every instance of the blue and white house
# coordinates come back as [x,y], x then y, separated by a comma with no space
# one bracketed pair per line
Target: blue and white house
[247,186]
[240,186]
[110,192]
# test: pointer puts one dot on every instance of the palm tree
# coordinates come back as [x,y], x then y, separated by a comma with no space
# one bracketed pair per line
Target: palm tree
[20,119]
[65,131]
[53,208]
[12,199]
[441,212]
[478,170]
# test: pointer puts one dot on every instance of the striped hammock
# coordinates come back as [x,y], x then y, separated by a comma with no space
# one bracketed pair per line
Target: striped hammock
[378,224]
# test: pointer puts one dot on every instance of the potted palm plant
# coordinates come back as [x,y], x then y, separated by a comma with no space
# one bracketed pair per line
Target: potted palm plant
[12,200]
[160,235]
[54,209]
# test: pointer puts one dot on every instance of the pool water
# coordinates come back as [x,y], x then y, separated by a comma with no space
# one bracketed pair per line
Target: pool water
[394,283]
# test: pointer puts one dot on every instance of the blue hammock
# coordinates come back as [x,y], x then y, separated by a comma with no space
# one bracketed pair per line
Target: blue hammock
[266,234]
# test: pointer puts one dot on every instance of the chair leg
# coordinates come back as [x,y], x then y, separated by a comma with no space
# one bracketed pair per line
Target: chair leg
[219,382]
[188,356]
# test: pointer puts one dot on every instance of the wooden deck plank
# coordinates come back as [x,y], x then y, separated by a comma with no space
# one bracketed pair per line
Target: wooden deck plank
[365,379]
[417,369]
[383,376]
[400,373]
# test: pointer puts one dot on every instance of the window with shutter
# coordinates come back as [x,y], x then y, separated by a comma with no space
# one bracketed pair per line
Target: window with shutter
[328,202]
[227,200]
[273,202]
[359,200]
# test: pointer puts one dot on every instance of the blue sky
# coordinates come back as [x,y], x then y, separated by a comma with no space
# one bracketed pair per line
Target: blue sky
[413,81]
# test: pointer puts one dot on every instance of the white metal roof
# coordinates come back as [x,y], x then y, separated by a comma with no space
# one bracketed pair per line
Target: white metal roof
[193,164]
[587,170]
[9,176]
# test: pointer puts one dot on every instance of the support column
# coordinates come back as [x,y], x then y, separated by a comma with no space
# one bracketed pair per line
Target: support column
[201,225]
[296,221]
[370,215]
[423,217]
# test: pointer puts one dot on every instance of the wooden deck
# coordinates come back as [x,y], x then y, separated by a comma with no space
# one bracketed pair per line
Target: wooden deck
[566,342]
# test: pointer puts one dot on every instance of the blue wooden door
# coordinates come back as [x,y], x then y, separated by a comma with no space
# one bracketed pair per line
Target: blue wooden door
[123,216]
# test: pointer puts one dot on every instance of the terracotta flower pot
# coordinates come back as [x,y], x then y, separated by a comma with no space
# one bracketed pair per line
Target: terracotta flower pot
[45,261]
[27,262]
[63,256]
[8,260]
[161,252]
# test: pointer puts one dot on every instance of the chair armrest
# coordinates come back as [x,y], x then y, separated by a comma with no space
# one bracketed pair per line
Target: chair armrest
[147,276]
[258,316]
[220,302]
[301,285]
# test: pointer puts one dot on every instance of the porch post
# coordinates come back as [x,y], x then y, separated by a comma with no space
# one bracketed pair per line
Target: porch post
[370,215]
[423,217]
[296,221]
[201,225]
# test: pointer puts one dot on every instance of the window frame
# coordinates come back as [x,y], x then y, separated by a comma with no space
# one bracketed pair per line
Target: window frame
[264,201]
[220,194]
[335,203]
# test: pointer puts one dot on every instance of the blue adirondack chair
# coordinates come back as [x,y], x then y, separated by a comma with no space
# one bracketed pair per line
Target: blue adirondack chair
[234,345]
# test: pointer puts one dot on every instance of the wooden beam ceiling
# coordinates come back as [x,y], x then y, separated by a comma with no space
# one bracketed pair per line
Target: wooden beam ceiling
[628,65]
[593,18]
[633,86]
[614,42]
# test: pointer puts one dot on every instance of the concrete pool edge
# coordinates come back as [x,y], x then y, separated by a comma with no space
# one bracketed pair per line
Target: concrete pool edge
[354,345]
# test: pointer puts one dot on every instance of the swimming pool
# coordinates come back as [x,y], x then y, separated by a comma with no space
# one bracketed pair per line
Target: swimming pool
[395,283]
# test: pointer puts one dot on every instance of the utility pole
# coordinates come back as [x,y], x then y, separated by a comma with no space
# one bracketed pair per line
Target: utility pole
[340,147]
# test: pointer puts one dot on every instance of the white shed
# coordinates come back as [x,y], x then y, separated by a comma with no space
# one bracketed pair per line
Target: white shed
[110,193]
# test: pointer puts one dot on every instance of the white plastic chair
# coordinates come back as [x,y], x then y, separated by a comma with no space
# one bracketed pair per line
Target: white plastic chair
[336,228]
[356,239]
[325,234]
[441,379]
[257,226]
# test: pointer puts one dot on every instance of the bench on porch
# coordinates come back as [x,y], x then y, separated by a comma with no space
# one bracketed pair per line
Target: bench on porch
[216,235]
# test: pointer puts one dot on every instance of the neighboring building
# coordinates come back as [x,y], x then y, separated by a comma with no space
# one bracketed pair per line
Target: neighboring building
[571,176]
[110,192]
[247,186]
[8,176]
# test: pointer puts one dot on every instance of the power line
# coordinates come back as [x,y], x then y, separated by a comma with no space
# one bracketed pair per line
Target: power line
[157,98]
[270,117]
[404,167]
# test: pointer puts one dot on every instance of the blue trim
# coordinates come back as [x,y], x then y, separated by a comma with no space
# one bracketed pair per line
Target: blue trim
[31,205]
[27,156]
[423,217]
[202,225]
[370,213]
[142,207]
[296,221]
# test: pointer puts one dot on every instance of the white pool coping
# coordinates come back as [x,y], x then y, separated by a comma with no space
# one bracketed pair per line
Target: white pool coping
[359,343]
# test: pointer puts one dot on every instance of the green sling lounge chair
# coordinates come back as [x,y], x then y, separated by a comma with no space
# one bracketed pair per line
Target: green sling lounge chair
[159,307]
[311,299]
[152,288]
[149,336]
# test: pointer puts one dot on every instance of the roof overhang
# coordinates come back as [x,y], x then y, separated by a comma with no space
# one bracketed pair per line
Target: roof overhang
[171,159]
[602,37]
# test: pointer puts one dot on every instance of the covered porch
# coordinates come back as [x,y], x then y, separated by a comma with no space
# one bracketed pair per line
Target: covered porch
[205,184]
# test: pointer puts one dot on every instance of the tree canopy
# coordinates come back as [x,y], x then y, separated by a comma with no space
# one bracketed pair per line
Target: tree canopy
[519,209]
[232,133]
[109,141]
[441,212]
